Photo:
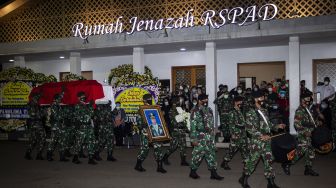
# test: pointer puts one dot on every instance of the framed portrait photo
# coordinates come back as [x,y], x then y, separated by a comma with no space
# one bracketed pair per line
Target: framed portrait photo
[156,125]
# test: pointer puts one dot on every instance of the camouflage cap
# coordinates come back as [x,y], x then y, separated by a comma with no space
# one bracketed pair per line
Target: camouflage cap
[81,93]
[202,97]
[257,94]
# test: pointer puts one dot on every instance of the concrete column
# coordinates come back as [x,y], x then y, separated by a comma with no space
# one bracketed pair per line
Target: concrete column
[293,68]
[211,75]
[19,61]
[139,60]
[75,63]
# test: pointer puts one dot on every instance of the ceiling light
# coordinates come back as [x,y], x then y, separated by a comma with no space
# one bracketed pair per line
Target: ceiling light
[61,57]
[183,49]
[11,60]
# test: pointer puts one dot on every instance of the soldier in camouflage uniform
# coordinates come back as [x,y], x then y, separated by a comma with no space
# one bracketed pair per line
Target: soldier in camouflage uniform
[225,105]
[304,124]
[179,136]
[238,134]
[84,129]
[105,130]
[37,135]
[332,104]
[70,129]
[144,143]
[248,102]
[58,132]
[202,137]
[258,129]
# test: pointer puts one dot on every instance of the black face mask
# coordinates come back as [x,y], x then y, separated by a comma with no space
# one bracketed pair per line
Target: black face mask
[205,104]
[262,103]
[83,99]
[149,102]
[308,103]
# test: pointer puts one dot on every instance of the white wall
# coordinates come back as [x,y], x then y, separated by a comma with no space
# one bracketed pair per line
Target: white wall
[309,52]
[161,64]
[227,60]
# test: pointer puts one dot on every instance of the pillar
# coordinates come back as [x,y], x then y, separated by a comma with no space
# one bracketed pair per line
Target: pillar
[139,60]
[293,68]
[75,63]
[19,61]
[211,75]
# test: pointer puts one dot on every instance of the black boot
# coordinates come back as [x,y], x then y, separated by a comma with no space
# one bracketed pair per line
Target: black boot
[91,160]
[286,168]
[97,156]
[81,154]
[62,157]
[39,156]
[160,167]
[76,159]
[271,183]
[193,174]
[165,159]
[225,165]
[28,155]
[183,161]
[215,176]
[49,156]
[243,181]
[67,153]
[310,172]
[138,166]
[110,157]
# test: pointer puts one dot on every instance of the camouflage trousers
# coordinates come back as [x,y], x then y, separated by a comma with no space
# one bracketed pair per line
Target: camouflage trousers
[204,150]
[306,150]
[178,141]
[105,138]
[37,138]
[85,137]
[144,148]
[259,149]
[225,126]
[70,140]
[57,140]
[236,145]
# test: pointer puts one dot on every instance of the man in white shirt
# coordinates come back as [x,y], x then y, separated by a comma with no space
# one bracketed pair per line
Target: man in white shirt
[326,90]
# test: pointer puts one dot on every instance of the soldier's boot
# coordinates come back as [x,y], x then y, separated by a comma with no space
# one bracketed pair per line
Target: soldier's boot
[215,176]
[91,160]
[243,181]
[193,174]
[76,159]
[49,156]
[39,156]
[62,157]
[286,168]
[110,157]
[28,155]
[97,156]
[165,159]
[138,166]
[271,183]
[82,155]
[184,161]
[225,165]
[67,153]
[310,172]
[160,167]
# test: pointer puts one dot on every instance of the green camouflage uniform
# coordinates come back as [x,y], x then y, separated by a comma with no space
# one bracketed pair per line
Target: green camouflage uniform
[70,127]
[332,104]
[303,123]
[84,129]
[104,124]
[178,134]
[202,133]
[248,103]
[238,135]
[58,132]
[37,134]
[255,127]
[144,143]
[224,107]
